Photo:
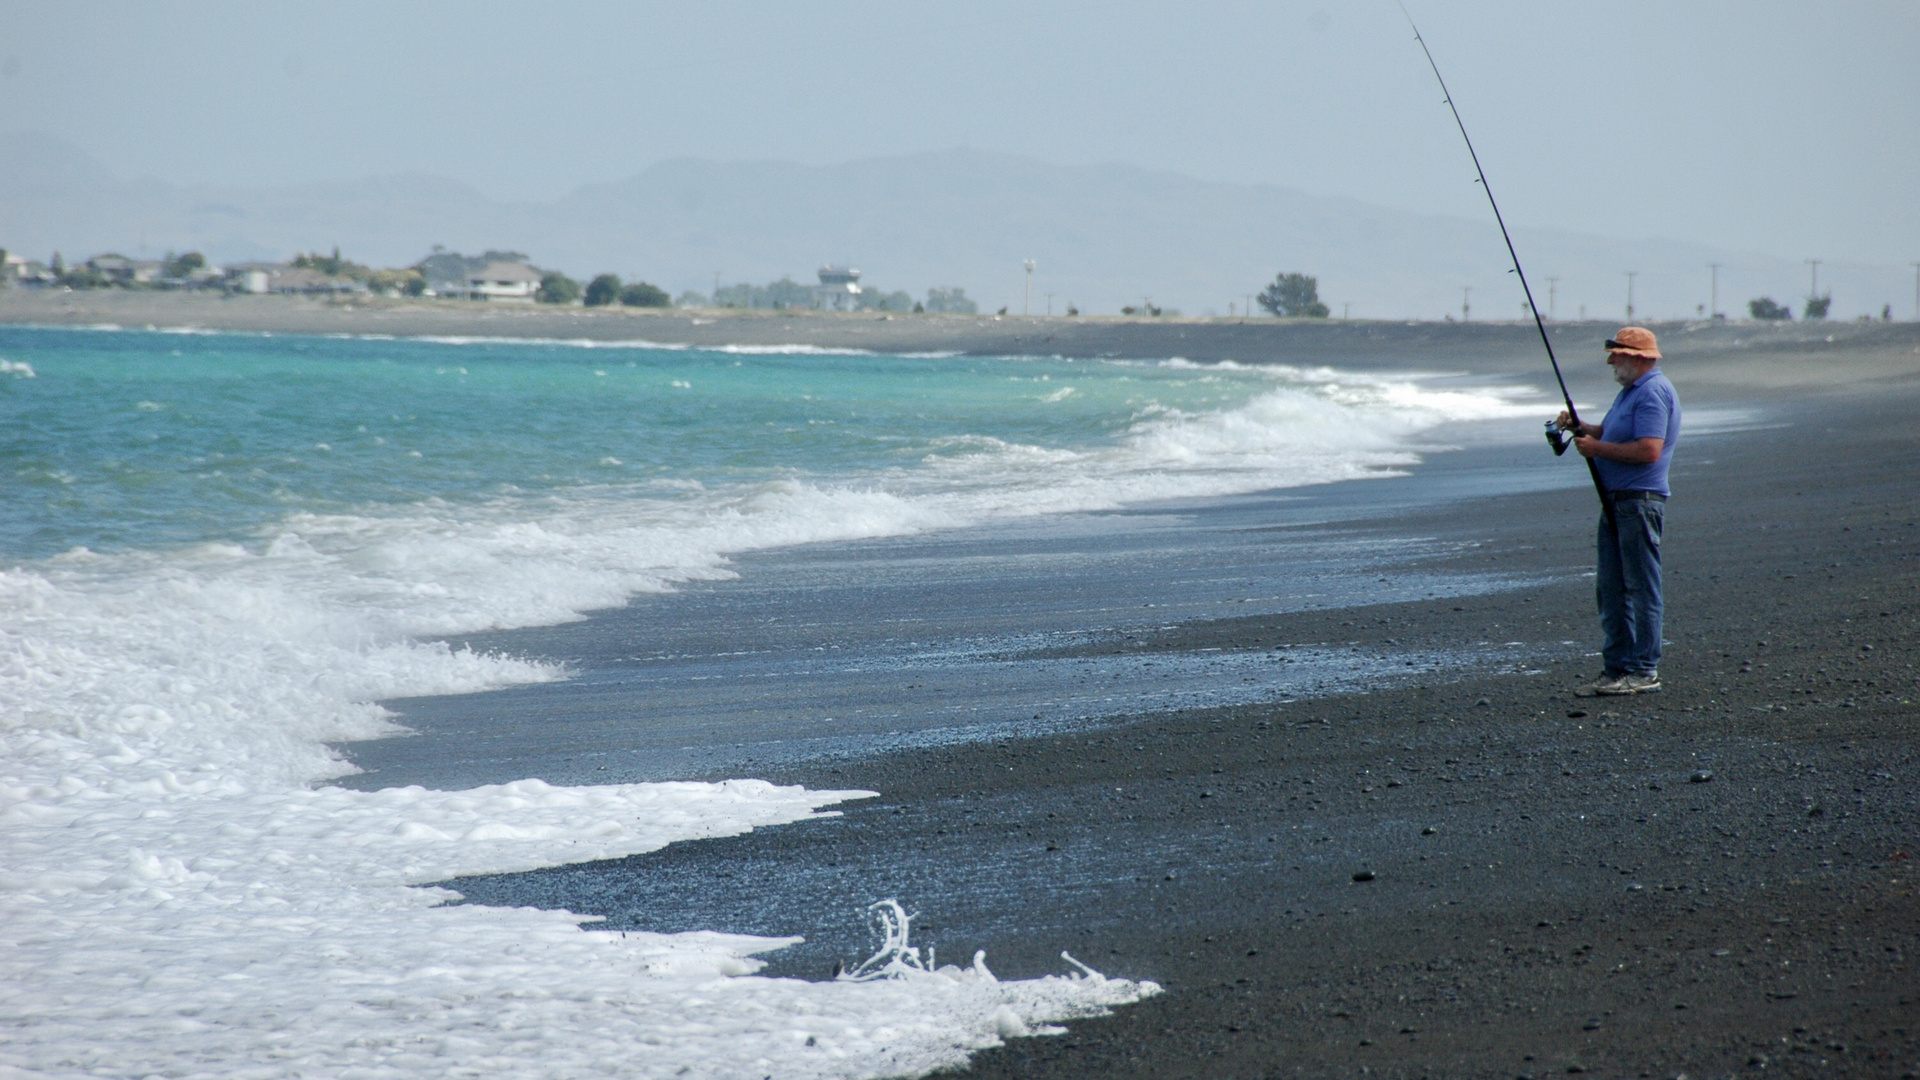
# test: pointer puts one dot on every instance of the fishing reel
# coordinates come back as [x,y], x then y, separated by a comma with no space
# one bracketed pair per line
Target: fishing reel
[1557,438]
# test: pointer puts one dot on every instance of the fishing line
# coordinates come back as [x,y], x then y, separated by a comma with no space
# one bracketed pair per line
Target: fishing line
[1559,446]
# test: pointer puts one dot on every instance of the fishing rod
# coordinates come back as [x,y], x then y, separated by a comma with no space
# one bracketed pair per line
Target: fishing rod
[1554,436]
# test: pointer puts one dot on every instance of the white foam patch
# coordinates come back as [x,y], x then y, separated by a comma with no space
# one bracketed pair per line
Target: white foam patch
[179,897]
[570,343]
[790,350]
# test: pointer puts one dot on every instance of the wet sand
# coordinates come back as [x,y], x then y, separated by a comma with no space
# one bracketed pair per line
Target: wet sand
[1468,872]
[1707,881]
[1471,873]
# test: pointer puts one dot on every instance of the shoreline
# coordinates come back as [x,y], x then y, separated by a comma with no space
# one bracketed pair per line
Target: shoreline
[1460,871]
[1549,889]
[1769,350]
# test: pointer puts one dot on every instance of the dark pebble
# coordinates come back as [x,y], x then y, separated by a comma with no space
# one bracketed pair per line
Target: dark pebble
[1363,875]
[1576,714]
[1700,776]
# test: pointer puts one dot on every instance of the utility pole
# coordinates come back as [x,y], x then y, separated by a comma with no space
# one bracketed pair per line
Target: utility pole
[1249,308]
[716,288]
[1713,299]
[1049,305]
[1916,291]
[1813,283]
[1346,311]
[1027,308]
[1466,309]
[1631,274]
[1552,288]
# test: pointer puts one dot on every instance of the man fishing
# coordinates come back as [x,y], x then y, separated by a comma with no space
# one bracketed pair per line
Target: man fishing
[1631,448]
[1627,456]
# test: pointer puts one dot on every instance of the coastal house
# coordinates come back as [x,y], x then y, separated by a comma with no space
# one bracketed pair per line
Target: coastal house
[511,282]
[116,269]
[261,278]
[252,277]
[839,289]
[20,270]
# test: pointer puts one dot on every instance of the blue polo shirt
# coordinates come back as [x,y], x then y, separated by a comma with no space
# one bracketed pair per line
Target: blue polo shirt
[1647,409]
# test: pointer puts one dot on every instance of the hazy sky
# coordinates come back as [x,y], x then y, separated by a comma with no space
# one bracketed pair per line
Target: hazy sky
[1786,128]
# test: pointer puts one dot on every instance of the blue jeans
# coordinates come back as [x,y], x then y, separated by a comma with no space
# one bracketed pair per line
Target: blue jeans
[1627,586]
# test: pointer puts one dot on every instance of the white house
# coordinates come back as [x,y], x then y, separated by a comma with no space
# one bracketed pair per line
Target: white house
[839,289]
[513,282]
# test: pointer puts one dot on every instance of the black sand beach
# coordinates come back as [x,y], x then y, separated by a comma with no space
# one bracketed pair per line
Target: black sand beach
[1460,871]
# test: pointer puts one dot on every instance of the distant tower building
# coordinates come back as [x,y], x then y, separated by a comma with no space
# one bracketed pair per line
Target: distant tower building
[839,289]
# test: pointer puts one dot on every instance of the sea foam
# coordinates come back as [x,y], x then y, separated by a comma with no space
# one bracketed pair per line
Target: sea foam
[182,896]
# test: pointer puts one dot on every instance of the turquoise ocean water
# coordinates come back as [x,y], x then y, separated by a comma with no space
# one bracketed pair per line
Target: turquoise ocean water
[218,552]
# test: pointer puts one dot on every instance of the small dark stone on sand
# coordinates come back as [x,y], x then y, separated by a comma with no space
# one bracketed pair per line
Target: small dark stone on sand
[1576,714]
[1363,875]
[1700,776]
[1428,831]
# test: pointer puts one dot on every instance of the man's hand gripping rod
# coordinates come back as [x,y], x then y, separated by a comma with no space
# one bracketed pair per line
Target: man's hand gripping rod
[1554,437]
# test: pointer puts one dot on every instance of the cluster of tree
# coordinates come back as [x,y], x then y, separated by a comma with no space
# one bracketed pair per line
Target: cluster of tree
[1294,296]
[779,295]
[557,288]
[788,294]
[80,276]
[179,266]
[405,281]
[950,300]
[333,265]
[1765,309]
[606,289]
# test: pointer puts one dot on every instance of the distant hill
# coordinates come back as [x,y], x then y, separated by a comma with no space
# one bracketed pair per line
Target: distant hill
[1102,235]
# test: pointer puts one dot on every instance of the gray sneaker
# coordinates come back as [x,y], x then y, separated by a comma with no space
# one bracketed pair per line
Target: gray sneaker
[1633,684]
[1605,684]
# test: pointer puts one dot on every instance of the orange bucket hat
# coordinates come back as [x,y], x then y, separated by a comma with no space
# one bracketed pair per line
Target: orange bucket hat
[1635,341]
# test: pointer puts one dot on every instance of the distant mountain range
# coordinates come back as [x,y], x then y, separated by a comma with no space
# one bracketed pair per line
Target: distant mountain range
[1101,235]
